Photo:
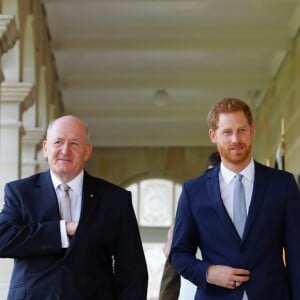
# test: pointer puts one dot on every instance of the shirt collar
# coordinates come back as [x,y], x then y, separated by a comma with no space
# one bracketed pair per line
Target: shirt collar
[228,175]
[75,184]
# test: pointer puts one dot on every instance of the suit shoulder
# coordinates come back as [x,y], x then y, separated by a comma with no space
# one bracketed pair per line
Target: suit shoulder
[27,181]
[271,171]
[202,178]
[104,184]
[273,174]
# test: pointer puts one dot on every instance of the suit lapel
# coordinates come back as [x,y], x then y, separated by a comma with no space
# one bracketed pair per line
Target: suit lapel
[213,186]
[256,199]
[89,196]
[89,201]
[46,199]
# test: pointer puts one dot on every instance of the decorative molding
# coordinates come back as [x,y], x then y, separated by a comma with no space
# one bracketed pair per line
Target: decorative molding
[277,61]
[33,136]
[18,92]
[31,144]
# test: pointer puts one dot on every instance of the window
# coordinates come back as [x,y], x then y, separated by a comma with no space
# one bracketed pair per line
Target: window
[154,201]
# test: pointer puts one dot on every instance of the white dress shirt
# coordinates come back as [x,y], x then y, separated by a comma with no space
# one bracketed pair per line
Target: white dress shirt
[226,188]
[75,193]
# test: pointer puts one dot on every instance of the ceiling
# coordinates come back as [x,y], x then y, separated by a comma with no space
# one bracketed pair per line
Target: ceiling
[112,57]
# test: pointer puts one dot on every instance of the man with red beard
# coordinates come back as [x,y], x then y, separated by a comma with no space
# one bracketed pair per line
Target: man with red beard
[241,260]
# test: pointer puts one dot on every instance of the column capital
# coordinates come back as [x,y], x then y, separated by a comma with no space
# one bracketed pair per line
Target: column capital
[33,136]
[18,93]
[31,145]
[9,33]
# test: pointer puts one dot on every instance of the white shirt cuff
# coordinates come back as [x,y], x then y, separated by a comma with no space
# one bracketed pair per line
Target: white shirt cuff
[63,234]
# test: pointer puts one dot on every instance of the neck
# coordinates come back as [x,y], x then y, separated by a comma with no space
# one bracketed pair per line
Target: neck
[236,167]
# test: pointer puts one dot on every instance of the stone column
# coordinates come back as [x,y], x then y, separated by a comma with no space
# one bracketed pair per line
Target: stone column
[15,98]
[8,37]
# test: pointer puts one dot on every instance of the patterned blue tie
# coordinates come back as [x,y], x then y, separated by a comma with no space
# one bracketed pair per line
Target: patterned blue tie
[239,204]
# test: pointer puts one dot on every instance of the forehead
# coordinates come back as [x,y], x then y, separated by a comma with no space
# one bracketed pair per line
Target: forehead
[67,128]
[234,119]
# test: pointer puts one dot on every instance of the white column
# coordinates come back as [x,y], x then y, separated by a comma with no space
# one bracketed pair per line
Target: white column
[8,37]
[15,98]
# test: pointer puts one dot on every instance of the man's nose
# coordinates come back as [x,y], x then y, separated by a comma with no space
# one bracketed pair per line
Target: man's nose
[65,147]
[235,137]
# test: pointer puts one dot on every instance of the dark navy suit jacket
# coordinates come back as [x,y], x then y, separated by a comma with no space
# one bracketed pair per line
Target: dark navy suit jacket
[105,260]
[273,222]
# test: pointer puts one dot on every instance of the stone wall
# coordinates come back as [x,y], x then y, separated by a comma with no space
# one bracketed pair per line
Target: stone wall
[281,101]
[126,165]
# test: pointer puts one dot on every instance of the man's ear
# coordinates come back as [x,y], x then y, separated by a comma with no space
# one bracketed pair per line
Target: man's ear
[252,129]
[44,147]
[88,152]
[212,136]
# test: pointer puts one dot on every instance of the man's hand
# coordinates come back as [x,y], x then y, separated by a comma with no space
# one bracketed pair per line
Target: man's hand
[227,277]
[71,228]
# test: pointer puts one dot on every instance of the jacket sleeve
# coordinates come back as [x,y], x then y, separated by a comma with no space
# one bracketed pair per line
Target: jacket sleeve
[185,243]
[21,232]
[130,264]
[292,240]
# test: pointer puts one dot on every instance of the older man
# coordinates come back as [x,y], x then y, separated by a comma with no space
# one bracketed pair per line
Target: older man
[72,236]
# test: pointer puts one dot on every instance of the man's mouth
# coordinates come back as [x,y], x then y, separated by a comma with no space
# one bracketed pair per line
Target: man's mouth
[64,159]
[237,148]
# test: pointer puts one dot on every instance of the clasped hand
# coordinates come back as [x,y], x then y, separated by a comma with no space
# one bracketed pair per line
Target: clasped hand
[227,277]
[71,228]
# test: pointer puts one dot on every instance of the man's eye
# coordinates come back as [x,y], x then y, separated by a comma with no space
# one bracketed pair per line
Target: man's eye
[227,133]
[57,142]
[74,143]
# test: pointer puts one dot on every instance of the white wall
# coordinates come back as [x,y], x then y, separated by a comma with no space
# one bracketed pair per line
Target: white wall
[5,272]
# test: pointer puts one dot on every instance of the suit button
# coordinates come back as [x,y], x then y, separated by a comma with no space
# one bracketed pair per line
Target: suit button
[243,249]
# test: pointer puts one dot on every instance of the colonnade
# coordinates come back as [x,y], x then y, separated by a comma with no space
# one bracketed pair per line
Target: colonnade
[29,96]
